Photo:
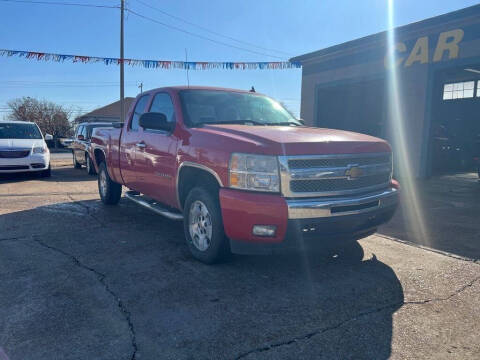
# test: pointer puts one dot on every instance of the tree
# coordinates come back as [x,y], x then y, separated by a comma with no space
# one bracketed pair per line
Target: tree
[50,117]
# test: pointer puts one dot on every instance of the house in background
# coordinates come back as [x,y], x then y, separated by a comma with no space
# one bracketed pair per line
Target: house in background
[107,113]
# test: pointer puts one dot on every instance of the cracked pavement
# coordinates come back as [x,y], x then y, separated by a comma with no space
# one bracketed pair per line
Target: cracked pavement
[85,281]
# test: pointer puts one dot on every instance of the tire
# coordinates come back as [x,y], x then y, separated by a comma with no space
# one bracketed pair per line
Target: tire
[76,165]
[204,231]
[110,191]
[46,173]
[90,166]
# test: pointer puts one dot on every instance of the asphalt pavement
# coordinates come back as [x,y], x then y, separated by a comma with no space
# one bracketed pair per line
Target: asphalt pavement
[81,280]
[59,156]
[442,212]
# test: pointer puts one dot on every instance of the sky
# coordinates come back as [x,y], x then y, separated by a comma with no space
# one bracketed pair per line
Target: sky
[278,29]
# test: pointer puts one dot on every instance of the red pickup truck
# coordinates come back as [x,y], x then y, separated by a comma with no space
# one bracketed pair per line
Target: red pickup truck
[242,173]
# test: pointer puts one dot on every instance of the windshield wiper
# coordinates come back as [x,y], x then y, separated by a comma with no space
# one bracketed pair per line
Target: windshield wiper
[284,123]
[243,122]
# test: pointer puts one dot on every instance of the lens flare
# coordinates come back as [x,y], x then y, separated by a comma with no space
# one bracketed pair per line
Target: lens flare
[411,204]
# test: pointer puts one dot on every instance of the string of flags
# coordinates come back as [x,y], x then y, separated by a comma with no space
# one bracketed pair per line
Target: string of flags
[152,64]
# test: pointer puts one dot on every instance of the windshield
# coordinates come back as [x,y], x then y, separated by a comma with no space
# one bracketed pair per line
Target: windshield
[19,131]
[223,107]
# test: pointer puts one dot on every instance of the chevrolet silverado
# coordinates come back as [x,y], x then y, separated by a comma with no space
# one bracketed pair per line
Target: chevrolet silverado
[242,173]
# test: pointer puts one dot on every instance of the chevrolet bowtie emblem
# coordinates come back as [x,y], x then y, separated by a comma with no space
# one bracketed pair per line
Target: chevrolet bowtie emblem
[353,172]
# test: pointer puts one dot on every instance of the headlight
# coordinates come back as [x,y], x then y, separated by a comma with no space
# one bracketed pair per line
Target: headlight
[39,150]
[254,172]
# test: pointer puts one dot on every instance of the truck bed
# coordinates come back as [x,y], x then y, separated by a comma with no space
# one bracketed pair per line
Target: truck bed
[108,141]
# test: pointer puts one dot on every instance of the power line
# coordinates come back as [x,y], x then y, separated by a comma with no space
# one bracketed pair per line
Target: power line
[62,82]
[30,86]
[211,31]
[200,36]
[60,3]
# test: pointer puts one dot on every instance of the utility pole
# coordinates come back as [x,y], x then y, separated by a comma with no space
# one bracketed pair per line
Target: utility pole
[140,86]
[122,82]
[186,60]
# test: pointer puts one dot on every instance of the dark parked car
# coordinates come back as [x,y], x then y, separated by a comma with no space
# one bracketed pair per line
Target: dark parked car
[81,145]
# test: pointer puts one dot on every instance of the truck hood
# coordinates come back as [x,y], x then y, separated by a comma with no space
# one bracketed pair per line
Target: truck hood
[300,140]
[20,143]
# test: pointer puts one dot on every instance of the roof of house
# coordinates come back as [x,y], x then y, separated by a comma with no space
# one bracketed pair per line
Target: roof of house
[472,11]
[110,110]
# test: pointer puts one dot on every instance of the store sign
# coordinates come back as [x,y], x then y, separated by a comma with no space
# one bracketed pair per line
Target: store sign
[447,43]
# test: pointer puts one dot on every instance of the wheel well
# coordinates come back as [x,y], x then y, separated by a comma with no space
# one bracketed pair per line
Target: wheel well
[190,177]
[99,156]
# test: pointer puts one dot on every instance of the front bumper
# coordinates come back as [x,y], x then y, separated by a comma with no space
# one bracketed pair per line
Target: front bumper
[353,216]
[330,207]
[34,162]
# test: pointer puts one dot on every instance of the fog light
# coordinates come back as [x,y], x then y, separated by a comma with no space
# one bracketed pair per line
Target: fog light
[264,230]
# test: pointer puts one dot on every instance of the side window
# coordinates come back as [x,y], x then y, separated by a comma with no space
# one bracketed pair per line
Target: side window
[79,130]
[84,132]
[138,111]
[162,103]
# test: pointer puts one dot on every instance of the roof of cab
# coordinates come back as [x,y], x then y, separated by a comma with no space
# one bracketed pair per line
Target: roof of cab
[185,87]
[95,123]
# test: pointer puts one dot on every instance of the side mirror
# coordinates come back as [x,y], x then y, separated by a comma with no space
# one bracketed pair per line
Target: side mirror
[155,121]
[301,121]
[80,137]
[48,137]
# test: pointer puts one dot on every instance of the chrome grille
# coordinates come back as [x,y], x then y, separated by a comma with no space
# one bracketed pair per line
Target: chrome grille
[14,154]
[325,162]
[329,185]
[331,175]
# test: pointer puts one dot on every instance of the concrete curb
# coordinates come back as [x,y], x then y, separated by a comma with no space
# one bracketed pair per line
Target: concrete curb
[445,253]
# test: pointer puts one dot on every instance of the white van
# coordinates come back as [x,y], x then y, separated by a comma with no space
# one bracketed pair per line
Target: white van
[23,148]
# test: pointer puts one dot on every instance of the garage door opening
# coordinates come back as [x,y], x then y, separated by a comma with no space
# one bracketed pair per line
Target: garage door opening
[455,130]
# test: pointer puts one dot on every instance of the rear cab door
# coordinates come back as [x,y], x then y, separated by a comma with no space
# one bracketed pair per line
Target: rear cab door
[79,145]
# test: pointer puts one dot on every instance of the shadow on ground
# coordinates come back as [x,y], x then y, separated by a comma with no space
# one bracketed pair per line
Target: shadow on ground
[59,174]
[81,280]
[450,206]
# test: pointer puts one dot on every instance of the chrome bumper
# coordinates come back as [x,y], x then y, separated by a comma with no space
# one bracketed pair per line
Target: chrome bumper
[327,207]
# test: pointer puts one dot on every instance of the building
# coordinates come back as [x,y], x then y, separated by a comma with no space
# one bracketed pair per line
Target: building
[107,113]
[437,67]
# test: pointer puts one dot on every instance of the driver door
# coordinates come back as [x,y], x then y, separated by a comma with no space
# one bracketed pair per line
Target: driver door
[156,163]
[131,145]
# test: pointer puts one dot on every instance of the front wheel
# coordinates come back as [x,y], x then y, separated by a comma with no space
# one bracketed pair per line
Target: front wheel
[110,191]
[76,164]
[203,226]
[90,167]
[46,173]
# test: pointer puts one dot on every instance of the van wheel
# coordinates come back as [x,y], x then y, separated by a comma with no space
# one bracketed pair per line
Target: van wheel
[110,191]
[76,164]
[90,167]
[203,226]
[46,173]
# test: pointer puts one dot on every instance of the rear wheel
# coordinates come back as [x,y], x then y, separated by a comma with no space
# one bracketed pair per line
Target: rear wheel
[203,226]
[90,166]
[76,164]
[110,191]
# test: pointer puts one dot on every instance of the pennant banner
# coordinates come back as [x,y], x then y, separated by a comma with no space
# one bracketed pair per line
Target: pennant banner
[153,64]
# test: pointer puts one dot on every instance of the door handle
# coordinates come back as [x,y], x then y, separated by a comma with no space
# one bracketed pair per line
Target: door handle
[140,145]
